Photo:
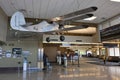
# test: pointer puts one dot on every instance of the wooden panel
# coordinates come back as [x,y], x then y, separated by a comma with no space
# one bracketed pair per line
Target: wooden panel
[51,53]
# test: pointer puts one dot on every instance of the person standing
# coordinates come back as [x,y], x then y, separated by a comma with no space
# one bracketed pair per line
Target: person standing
[44,61]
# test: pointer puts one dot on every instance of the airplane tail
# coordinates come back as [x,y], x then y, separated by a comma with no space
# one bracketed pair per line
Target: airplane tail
[17,20]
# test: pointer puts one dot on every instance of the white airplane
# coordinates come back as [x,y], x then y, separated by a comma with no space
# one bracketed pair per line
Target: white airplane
[18,22]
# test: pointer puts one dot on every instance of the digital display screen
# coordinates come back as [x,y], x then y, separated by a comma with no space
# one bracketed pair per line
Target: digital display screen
[17,51]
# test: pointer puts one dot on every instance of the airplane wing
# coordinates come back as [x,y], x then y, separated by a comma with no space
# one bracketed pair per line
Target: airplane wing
[77,18]
[66,29]
[79,12]
[74,28]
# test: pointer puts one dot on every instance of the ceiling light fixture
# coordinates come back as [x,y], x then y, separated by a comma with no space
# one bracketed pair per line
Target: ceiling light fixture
[91,18]
[115,0]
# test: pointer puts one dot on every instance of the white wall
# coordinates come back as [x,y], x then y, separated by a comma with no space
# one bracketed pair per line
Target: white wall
[32,46]
[81,49]
[3,25]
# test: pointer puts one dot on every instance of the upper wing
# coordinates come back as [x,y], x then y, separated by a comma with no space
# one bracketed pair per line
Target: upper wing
[79,12]
[76,14]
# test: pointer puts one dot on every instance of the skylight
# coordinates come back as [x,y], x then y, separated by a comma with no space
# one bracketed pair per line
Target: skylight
[91,18]
[115,0]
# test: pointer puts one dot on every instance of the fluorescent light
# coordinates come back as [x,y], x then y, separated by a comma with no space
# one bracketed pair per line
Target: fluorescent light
[91,18]
[115,0]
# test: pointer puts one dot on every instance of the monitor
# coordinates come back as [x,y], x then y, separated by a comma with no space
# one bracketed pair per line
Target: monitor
[17,51]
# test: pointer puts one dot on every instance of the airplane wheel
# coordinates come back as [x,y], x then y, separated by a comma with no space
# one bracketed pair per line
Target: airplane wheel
[62,38]
[48,39]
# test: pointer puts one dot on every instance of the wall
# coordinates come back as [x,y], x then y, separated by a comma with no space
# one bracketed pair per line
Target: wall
[51,51]
[3,25]
[81,49]
[31,46]
[96,37]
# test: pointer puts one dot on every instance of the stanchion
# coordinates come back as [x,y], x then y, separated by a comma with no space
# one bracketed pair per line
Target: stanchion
[59,60]
[78,61]
[65,61]
[72,61]
[29,65]
[25,64]
[19,68]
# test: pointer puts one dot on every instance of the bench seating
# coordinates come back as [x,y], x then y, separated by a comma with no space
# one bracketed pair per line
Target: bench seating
[113,59]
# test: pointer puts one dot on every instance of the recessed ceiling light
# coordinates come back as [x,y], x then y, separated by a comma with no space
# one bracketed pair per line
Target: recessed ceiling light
[91,18]
[115,0]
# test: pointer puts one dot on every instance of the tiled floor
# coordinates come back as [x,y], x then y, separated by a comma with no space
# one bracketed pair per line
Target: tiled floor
[86,71]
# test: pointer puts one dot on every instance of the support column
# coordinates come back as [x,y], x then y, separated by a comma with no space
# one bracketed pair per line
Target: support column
[40,52]
[106,52]
[98,52]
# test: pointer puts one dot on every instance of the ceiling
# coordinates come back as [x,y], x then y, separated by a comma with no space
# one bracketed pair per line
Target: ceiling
[47,9]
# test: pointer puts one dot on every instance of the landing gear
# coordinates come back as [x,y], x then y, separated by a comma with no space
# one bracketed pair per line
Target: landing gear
[62,38]
[48,39]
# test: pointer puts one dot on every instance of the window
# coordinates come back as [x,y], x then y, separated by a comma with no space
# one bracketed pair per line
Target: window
[113,52]
[117,52]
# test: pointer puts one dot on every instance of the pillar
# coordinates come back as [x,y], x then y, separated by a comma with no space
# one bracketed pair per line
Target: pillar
[40,52]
